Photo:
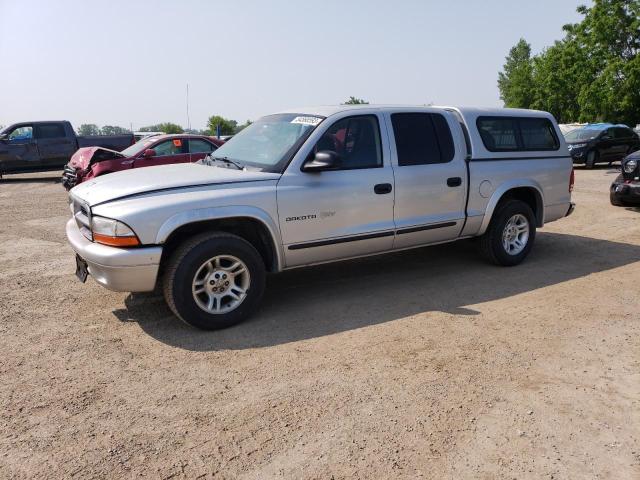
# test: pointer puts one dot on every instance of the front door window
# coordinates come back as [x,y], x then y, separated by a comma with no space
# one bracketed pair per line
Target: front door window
[356,140]
[21,135]
[169,147]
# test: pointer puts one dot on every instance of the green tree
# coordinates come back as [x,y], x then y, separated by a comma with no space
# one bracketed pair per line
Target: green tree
[592,74]
[516,81]
[227,127]
[243,126]
[88,129]
[113,130]
[610,36]
[355,101]
[558,75]
[166,127]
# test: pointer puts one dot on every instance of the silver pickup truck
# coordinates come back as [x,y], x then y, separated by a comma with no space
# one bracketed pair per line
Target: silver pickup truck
[318,185]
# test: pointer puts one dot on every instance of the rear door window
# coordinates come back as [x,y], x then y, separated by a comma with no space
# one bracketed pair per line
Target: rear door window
[49,130]
[622,132]
[197,145]
[422,138]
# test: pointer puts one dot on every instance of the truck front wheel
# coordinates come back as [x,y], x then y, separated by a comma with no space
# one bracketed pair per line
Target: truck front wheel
[510,235]
[214,280]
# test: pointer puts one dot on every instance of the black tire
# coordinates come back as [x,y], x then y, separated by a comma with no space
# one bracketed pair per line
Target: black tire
[183,266]
[591,159]
[491,242]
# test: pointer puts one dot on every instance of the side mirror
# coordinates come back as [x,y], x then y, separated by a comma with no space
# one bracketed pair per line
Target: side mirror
[322,161]
[149,152]
[4,137]
[606,136]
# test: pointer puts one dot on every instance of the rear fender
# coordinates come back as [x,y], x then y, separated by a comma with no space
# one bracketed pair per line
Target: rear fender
[500,192]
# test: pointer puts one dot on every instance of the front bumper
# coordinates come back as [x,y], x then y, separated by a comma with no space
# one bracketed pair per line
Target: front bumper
[628,192]
[118,269]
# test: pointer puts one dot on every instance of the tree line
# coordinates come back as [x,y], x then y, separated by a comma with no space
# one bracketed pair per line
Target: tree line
[591,75]
[227,126]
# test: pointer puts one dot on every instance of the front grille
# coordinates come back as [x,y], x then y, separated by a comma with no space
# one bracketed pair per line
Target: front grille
[82,215]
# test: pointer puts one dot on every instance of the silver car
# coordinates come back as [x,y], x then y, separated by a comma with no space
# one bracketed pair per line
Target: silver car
[316,185]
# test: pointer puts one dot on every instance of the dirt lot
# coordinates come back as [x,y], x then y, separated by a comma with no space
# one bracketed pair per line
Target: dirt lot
[422,364]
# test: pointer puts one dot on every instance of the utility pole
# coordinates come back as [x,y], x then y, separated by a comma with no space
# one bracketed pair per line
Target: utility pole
[188,119]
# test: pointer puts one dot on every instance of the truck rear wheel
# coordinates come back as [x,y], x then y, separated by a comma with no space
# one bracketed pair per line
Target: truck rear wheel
[510,235]
[214,280]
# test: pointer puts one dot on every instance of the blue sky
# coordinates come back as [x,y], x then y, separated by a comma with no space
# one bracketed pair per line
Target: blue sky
[128,62]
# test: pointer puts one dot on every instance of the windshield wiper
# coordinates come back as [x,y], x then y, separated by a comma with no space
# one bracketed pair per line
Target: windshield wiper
[228,161]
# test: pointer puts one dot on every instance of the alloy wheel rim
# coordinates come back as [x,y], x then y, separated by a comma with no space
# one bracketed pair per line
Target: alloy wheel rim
[221,284]
[515,235]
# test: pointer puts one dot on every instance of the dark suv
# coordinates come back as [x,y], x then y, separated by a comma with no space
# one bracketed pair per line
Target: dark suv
[625,190]
[601,143]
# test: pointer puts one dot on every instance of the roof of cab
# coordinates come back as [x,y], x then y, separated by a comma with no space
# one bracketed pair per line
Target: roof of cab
[328,110]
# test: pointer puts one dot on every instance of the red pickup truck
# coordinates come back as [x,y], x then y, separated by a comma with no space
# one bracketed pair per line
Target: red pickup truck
[91,162]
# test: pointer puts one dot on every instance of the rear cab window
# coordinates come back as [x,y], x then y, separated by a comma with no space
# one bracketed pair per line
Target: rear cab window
[517,134]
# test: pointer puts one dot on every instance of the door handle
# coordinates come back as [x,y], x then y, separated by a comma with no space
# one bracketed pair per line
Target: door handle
[454,181]
[382,188]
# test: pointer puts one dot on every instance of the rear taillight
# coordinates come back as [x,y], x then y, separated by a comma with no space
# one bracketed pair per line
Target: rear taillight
[572,180]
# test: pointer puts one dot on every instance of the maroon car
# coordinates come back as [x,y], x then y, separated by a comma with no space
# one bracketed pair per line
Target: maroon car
[91,162]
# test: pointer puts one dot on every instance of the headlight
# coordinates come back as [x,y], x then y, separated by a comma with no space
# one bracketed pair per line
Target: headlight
[112,232]
[630,165]
[577,145]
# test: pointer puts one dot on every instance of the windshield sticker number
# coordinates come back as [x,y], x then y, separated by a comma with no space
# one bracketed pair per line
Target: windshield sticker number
[313,121]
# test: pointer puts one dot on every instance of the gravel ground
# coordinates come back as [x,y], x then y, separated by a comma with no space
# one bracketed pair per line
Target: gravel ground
[422,364]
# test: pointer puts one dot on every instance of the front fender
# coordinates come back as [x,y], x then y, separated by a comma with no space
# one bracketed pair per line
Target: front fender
[108,166]
[504,188]
[218,213]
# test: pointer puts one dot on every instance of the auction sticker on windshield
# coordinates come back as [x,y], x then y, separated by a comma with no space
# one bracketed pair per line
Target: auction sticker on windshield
[313,121]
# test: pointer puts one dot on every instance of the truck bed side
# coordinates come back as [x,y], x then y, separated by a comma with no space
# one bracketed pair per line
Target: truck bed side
[540,177]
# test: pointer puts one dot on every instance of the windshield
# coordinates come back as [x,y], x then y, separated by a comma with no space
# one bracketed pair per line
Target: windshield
[138,147]
[270,142]
[582,134]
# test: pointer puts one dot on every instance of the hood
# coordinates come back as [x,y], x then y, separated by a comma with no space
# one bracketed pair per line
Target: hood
[139,181]
[86,155]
